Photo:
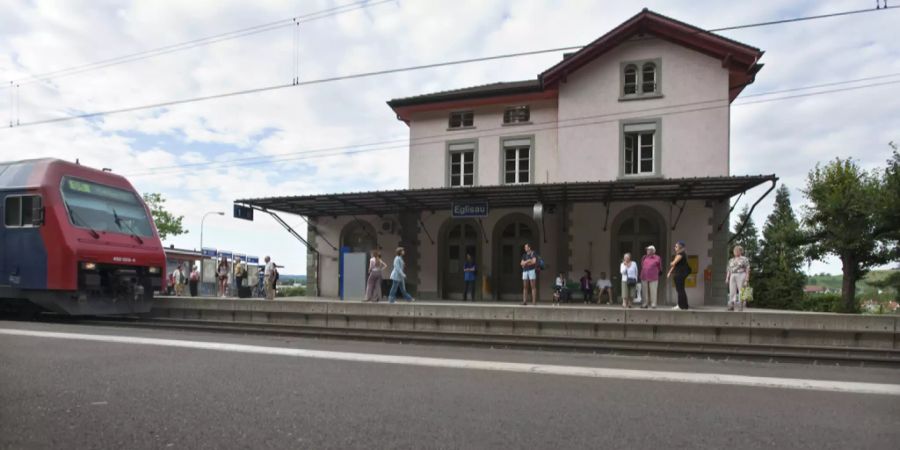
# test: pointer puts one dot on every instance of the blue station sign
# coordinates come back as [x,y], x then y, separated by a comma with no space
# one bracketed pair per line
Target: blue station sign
[206,251]
[472,208]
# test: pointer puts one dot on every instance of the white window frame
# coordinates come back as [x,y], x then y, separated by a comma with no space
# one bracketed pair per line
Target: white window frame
[511,110]
[21,223]
[640,128]
[462,125]
[467,147]
[517,142]
[639,93]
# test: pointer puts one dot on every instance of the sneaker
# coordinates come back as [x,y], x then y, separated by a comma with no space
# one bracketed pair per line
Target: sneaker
[677,308]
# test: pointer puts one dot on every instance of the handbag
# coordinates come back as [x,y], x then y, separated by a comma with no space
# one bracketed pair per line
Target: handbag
[747,294]
[631,282]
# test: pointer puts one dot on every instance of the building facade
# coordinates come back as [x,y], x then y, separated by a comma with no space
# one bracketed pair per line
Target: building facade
[623,144]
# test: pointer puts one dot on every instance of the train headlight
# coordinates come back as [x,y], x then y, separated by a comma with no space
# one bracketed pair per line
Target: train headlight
[89,266]
[154,269]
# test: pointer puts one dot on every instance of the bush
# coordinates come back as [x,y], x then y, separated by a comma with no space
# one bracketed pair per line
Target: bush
[291,291]
[820,303]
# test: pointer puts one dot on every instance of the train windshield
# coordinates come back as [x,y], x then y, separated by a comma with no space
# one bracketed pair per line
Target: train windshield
[105,208]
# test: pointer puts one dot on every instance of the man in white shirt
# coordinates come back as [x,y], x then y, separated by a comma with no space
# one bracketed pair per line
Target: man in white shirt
[270,279]
[604,285]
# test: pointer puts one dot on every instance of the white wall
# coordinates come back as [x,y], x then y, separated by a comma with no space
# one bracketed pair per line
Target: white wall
[694,144]
[429,137]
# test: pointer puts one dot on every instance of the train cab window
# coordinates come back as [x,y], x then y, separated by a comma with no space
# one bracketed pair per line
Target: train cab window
[105,208]
[19,210]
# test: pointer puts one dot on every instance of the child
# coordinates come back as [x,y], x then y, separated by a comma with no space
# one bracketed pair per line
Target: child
[558,287]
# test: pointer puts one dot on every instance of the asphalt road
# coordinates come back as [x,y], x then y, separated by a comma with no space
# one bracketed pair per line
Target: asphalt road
[62,393]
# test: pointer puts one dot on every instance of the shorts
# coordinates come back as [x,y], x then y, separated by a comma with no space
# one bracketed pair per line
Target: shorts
[529,275]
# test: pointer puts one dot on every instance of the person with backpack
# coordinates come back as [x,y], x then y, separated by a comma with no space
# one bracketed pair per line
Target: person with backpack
[651,269]
[679,269]
[530,265]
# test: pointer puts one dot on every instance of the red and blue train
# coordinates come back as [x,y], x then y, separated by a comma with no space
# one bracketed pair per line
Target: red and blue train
[76,240]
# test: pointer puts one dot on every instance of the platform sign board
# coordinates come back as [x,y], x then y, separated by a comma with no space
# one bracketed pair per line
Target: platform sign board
[208,252]
[243,212]
[252,260]
[469,209]
[225,254]
[241,256]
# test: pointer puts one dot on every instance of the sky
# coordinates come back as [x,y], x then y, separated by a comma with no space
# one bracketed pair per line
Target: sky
[154,147]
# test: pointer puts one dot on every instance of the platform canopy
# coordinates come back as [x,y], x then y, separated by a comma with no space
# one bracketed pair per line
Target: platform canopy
[510,196]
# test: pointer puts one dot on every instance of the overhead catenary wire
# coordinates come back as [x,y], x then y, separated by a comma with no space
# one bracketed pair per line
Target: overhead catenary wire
[159,51]
[582,121]
[464,133]
[391,71]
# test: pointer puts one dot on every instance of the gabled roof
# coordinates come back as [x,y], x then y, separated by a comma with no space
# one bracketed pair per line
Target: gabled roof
[739,58]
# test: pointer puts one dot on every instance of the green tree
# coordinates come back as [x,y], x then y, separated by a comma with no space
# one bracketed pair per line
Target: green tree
[748,238]
[166,223]
[845,218]
[779,280]
[889,225]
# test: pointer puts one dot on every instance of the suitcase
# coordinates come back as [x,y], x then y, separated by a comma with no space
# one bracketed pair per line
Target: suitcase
[244,292]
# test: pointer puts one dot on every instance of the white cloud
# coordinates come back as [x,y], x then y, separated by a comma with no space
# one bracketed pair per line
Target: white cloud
[786,138]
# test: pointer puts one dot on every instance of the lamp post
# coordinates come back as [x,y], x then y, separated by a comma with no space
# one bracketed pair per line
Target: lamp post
[202,259]
[201,225]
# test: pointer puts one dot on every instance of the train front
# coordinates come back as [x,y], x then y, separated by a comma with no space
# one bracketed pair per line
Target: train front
[110,252]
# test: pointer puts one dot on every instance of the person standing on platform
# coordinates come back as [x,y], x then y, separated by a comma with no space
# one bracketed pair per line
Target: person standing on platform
[194,281]
[737,277]
[651,269]
[222,276]
[179,281]
[529,265]
[629,272]
[469,271]
[604,286]
[240,272]
[270,278]
[373,283]
[679,270]
[587,287]
[398,278]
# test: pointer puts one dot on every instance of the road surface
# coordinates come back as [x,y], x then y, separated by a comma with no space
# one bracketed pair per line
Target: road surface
[79,386]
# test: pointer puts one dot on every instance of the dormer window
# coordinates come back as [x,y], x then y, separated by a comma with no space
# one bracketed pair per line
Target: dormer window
[640,79]
[462,119]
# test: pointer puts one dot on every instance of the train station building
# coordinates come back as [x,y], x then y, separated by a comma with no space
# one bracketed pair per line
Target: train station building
[620,145]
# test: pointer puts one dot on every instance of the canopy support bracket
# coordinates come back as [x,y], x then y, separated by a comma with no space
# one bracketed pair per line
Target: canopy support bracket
[680,210]
[730,210]
[483,233]
[750,213]
[606,218]
[425,229]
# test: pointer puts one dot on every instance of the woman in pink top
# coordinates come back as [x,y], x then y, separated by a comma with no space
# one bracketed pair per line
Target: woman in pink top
[651,268]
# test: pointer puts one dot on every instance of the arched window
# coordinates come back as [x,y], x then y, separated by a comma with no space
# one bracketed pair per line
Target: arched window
[648,78]
[630,84]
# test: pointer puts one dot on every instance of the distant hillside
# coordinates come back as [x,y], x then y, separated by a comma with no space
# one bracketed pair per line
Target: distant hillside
[301,279]
[833,282]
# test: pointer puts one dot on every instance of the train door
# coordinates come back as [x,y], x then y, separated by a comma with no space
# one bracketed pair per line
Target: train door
[4,276]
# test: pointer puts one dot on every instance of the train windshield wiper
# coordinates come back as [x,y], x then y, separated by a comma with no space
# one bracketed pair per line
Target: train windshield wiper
[119,223]
[76,218]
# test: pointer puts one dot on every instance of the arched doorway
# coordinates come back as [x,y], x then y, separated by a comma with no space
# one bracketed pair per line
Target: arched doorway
[634,230]
[459,238]
[510,236]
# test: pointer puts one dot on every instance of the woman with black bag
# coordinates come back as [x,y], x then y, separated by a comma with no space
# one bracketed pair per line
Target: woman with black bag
[629,272]
[680,269]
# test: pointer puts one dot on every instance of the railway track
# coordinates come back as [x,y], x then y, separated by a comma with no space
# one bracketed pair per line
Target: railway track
[859,357]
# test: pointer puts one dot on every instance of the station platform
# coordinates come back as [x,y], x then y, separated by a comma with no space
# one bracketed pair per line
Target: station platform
[709,325]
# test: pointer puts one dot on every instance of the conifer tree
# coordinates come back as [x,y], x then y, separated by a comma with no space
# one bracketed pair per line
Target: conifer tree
[779,280]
